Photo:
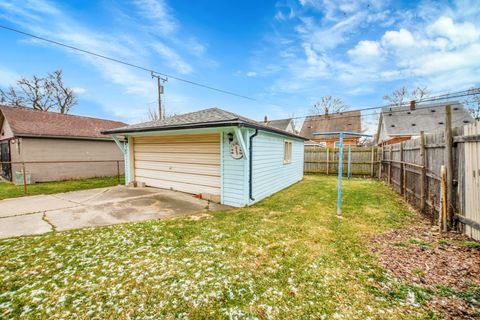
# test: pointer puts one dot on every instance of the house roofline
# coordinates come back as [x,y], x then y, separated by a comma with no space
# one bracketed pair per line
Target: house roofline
[211,124]
[39,136]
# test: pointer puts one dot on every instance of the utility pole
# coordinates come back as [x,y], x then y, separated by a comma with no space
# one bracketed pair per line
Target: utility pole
[161,110]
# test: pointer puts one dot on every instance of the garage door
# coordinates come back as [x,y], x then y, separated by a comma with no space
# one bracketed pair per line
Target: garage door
[188,163]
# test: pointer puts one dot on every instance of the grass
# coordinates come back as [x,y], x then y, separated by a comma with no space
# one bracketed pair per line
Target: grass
[288,257]
[9,190]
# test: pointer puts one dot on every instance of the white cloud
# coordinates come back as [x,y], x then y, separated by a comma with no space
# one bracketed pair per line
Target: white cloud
[79,90]
[457,33]
[175,61]
[251,74]
[157,12]
[365,50]
[401,39]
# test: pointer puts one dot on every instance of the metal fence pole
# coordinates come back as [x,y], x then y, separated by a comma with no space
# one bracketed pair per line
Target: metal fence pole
[118,171]
[24,178]
[340,169]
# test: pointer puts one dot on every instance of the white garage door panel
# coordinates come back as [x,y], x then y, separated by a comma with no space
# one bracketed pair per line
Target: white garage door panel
[188,163]
[208,148]
[213,170]
[179,158]
[212,181]
[197,138]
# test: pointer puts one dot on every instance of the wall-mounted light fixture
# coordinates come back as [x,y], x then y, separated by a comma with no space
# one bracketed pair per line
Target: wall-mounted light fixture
[230,137]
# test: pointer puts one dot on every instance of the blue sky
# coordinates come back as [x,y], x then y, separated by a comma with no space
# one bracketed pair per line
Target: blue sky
[287,54]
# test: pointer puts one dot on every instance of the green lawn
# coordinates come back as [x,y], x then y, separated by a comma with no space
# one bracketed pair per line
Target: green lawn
[287,257]
[9,190]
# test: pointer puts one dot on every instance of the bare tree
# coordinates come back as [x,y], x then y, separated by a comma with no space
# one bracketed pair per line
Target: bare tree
[328,105]
[397,97]
[64,97]
[401,95]
[45,94]
[419,93]
[152,114]
[10,97]
[473,105]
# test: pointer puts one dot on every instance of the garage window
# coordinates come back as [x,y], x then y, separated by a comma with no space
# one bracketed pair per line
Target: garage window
[287,151]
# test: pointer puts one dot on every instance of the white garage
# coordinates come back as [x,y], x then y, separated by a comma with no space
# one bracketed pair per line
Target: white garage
[212,153]
[188,163]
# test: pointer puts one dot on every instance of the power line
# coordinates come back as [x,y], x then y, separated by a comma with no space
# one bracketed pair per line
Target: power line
[151,71]
[98,55]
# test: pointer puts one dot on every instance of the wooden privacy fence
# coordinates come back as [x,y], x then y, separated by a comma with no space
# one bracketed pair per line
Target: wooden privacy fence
[414,169]
[439,175]
[471,189]
[364,160]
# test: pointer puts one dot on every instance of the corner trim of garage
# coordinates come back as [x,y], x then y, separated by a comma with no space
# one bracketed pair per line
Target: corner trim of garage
[221,167]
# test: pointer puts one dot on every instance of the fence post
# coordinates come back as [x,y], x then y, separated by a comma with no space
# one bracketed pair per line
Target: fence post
[402,172]
[390,165]
[380,163]
[373,158]
[349,160]
[328,159]
[24,178]
[449,162]
[442,219]
[118,171]
[423,176]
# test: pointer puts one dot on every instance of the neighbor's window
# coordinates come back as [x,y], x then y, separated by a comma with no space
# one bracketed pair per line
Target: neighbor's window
[287,151]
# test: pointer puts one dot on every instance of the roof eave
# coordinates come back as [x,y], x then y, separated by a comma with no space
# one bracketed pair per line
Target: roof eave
[217,124]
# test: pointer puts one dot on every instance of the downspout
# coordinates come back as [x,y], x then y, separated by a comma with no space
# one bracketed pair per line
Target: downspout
[250,164]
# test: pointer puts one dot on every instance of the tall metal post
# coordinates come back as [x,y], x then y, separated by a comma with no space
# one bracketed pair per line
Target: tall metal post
[349,160]
[340,169]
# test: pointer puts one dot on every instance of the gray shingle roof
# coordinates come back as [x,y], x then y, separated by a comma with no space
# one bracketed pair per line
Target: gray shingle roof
[334,122]
[401,121]
[212,117]
[281,124]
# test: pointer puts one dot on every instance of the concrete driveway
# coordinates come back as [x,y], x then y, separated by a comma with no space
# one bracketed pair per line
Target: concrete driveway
[95,207]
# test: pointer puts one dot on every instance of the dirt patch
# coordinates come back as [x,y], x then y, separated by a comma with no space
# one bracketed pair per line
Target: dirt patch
[448,265]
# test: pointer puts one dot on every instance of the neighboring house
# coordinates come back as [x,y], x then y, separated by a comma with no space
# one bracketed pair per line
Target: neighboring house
[397,124]
[222,156]
[282,124]
[29,135]
[344,121]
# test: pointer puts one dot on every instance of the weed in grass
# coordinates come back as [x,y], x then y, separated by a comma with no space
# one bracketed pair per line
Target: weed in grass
[421,243]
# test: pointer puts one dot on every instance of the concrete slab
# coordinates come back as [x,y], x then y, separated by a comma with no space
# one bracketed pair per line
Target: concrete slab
[102,195]
[23,225]
[96,207]
[139,209]
[31,204]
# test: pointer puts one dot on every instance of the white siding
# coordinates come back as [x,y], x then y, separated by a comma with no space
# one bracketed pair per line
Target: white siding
[270,173]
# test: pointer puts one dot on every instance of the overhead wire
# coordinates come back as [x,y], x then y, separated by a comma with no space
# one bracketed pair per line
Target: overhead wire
[454,95]
[170,76]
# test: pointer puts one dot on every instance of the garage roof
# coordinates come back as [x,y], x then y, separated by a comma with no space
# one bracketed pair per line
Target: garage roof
[28,122]
[207,118]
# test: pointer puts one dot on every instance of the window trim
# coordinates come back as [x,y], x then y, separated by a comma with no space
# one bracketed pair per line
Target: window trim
[285,154]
